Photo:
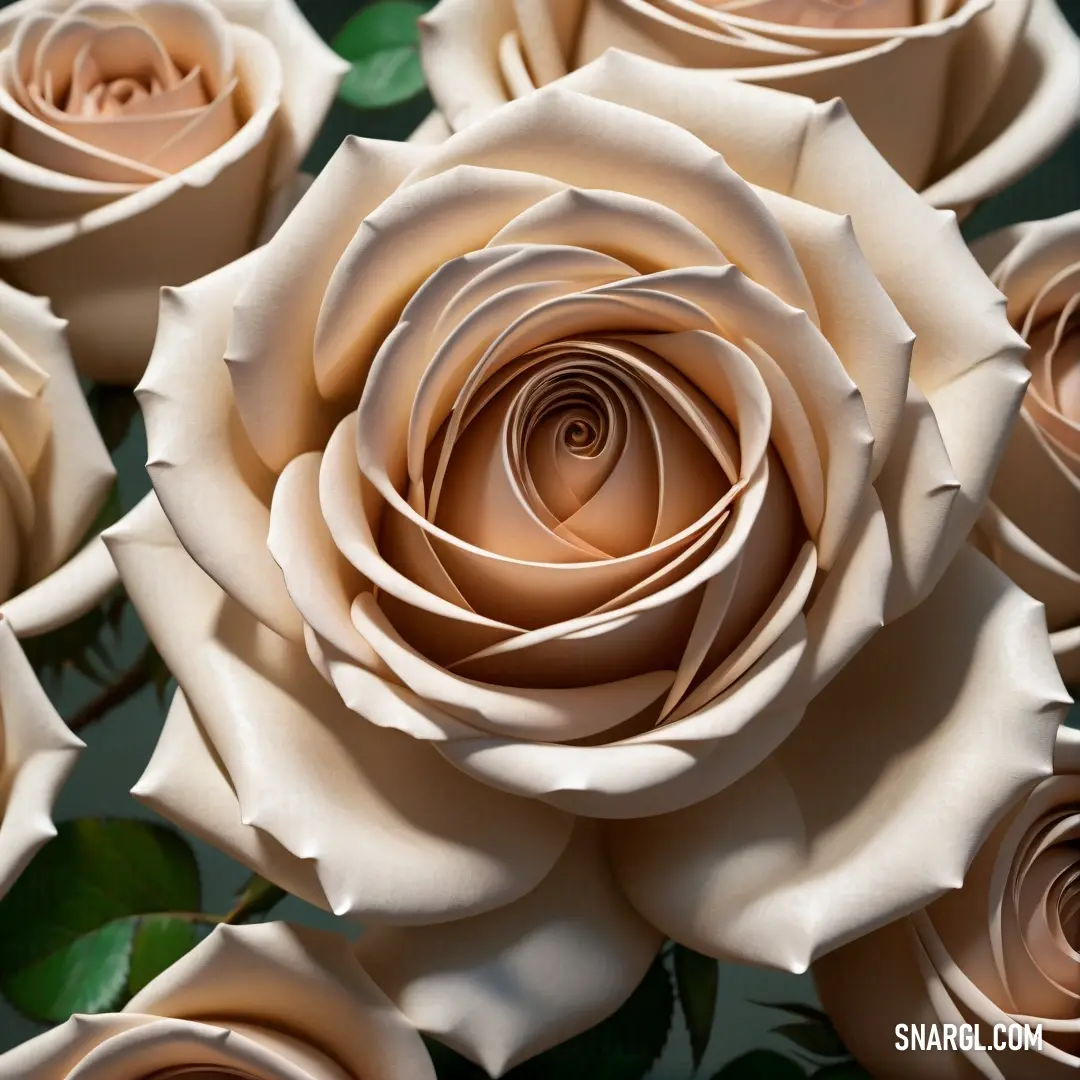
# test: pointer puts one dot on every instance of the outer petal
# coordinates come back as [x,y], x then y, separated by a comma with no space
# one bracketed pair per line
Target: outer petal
[460,45]
[432,130]
[204,469]
[37,751]
[505,986]
[893,978]
[276,309]
[311,75]
[780,868]
[186,783]
[326,787]
[66,594]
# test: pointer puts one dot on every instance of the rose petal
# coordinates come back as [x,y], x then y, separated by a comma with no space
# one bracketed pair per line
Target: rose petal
[604,148]
[311,75]
[68,593]
[274,313]
[507,985]
[185,782]
[38,752]
[779,869]
[439,845]
[203,467]
[665,768]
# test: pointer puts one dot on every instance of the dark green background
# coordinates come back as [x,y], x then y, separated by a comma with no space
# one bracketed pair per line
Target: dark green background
[119,747]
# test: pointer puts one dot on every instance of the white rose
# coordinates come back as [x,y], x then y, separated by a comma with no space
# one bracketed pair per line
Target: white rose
[528,513]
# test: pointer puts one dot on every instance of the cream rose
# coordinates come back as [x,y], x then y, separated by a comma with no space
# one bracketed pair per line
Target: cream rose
[270,1002]
[145,143]
[527,514]
[55,473]
[37,751]
[1002,950]
[1031,527]
[963,97]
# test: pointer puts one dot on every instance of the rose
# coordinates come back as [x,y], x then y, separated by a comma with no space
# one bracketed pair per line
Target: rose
[55,474]
[999,951]
[271,1002]
[37,751]
[145,143]
[963,97]
[526,514]
[1030,527]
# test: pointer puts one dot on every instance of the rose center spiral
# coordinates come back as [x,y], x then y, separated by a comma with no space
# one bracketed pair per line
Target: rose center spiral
[578,434]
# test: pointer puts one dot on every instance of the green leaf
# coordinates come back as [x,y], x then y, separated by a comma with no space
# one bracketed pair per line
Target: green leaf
[382,44]
[841,1070]
[797,1008]
[814,1037]
[69,925]
[257,897]
[158,943]
[696,977]
[761,1065]
[113,409]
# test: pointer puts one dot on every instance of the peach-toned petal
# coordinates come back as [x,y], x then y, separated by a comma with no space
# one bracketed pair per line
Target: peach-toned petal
[667,767]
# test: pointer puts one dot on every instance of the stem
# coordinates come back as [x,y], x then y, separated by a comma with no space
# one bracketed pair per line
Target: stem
[256,898]
[126,685]
[195,917]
